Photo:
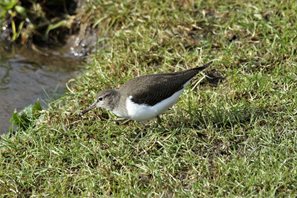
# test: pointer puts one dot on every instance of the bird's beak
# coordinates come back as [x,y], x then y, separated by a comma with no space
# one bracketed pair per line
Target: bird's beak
[92,106]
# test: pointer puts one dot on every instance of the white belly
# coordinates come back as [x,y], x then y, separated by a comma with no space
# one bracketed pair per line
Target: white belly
[145,112]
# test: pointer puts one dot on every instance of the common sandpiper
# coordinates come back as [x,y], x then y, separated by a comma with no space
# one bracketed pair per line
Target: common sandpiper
[145,97]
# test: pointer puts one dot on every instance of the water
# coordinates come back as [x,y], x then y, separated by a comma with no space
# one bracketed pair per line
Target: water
[27,75]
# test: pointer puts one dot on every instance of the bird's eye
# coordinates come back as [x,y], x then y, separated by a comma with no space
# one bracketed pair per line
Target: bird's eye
[100,99]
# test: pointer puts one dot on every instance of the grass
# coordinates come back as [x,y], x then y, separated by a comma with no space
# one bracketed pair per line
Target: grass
[232,138]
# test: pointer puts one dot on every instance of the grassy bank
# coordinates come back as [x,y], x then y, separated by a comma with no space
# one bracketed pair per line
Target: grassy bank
[234,138]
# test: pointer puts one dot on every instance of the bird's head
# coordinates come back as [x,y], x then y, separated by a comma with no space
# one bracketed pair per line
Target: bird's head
[105,99]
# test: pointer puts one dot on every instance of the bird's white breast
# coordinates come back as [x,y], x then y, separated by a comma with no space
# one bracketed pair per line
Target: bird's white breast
[141,112]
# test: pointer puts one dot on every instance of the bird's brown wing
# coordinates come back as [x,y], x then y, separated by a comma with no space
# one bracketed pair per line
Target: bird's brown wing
[153,88]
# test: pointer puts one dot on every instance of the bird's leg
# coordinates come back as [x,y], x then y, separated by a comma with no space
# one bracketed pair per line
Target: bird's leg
[159,120]
[121,121]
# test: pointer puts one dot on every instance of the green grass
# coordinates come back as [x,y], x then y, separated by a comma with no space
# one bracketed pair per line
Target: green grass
[236,138]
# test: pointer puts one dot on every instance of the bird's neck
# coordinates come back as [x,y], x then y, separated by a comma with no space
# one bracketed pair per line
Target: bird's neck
[112,104]
[119,107]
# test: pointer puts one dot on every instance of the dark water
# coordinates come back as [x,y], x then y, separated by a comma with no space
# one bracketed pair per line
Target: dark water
[27,75]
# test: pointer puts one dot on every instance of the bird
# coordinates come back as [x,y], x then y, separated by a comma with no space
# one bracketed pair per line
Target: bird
[145,97]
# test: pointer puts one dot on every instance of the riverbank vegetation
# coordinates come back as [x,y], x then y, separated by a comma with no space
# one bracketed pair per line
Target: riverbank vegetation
[48,27]
[232,133]
[39,22]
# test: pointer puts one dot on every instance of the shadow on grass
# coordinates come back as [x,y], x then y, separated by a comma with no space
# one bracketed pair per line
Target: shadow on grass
[222,117]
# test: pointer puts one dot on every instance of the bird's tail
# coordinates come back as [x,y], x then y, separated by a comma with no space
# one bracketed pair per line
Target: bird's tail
[188,74]
[198,69]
